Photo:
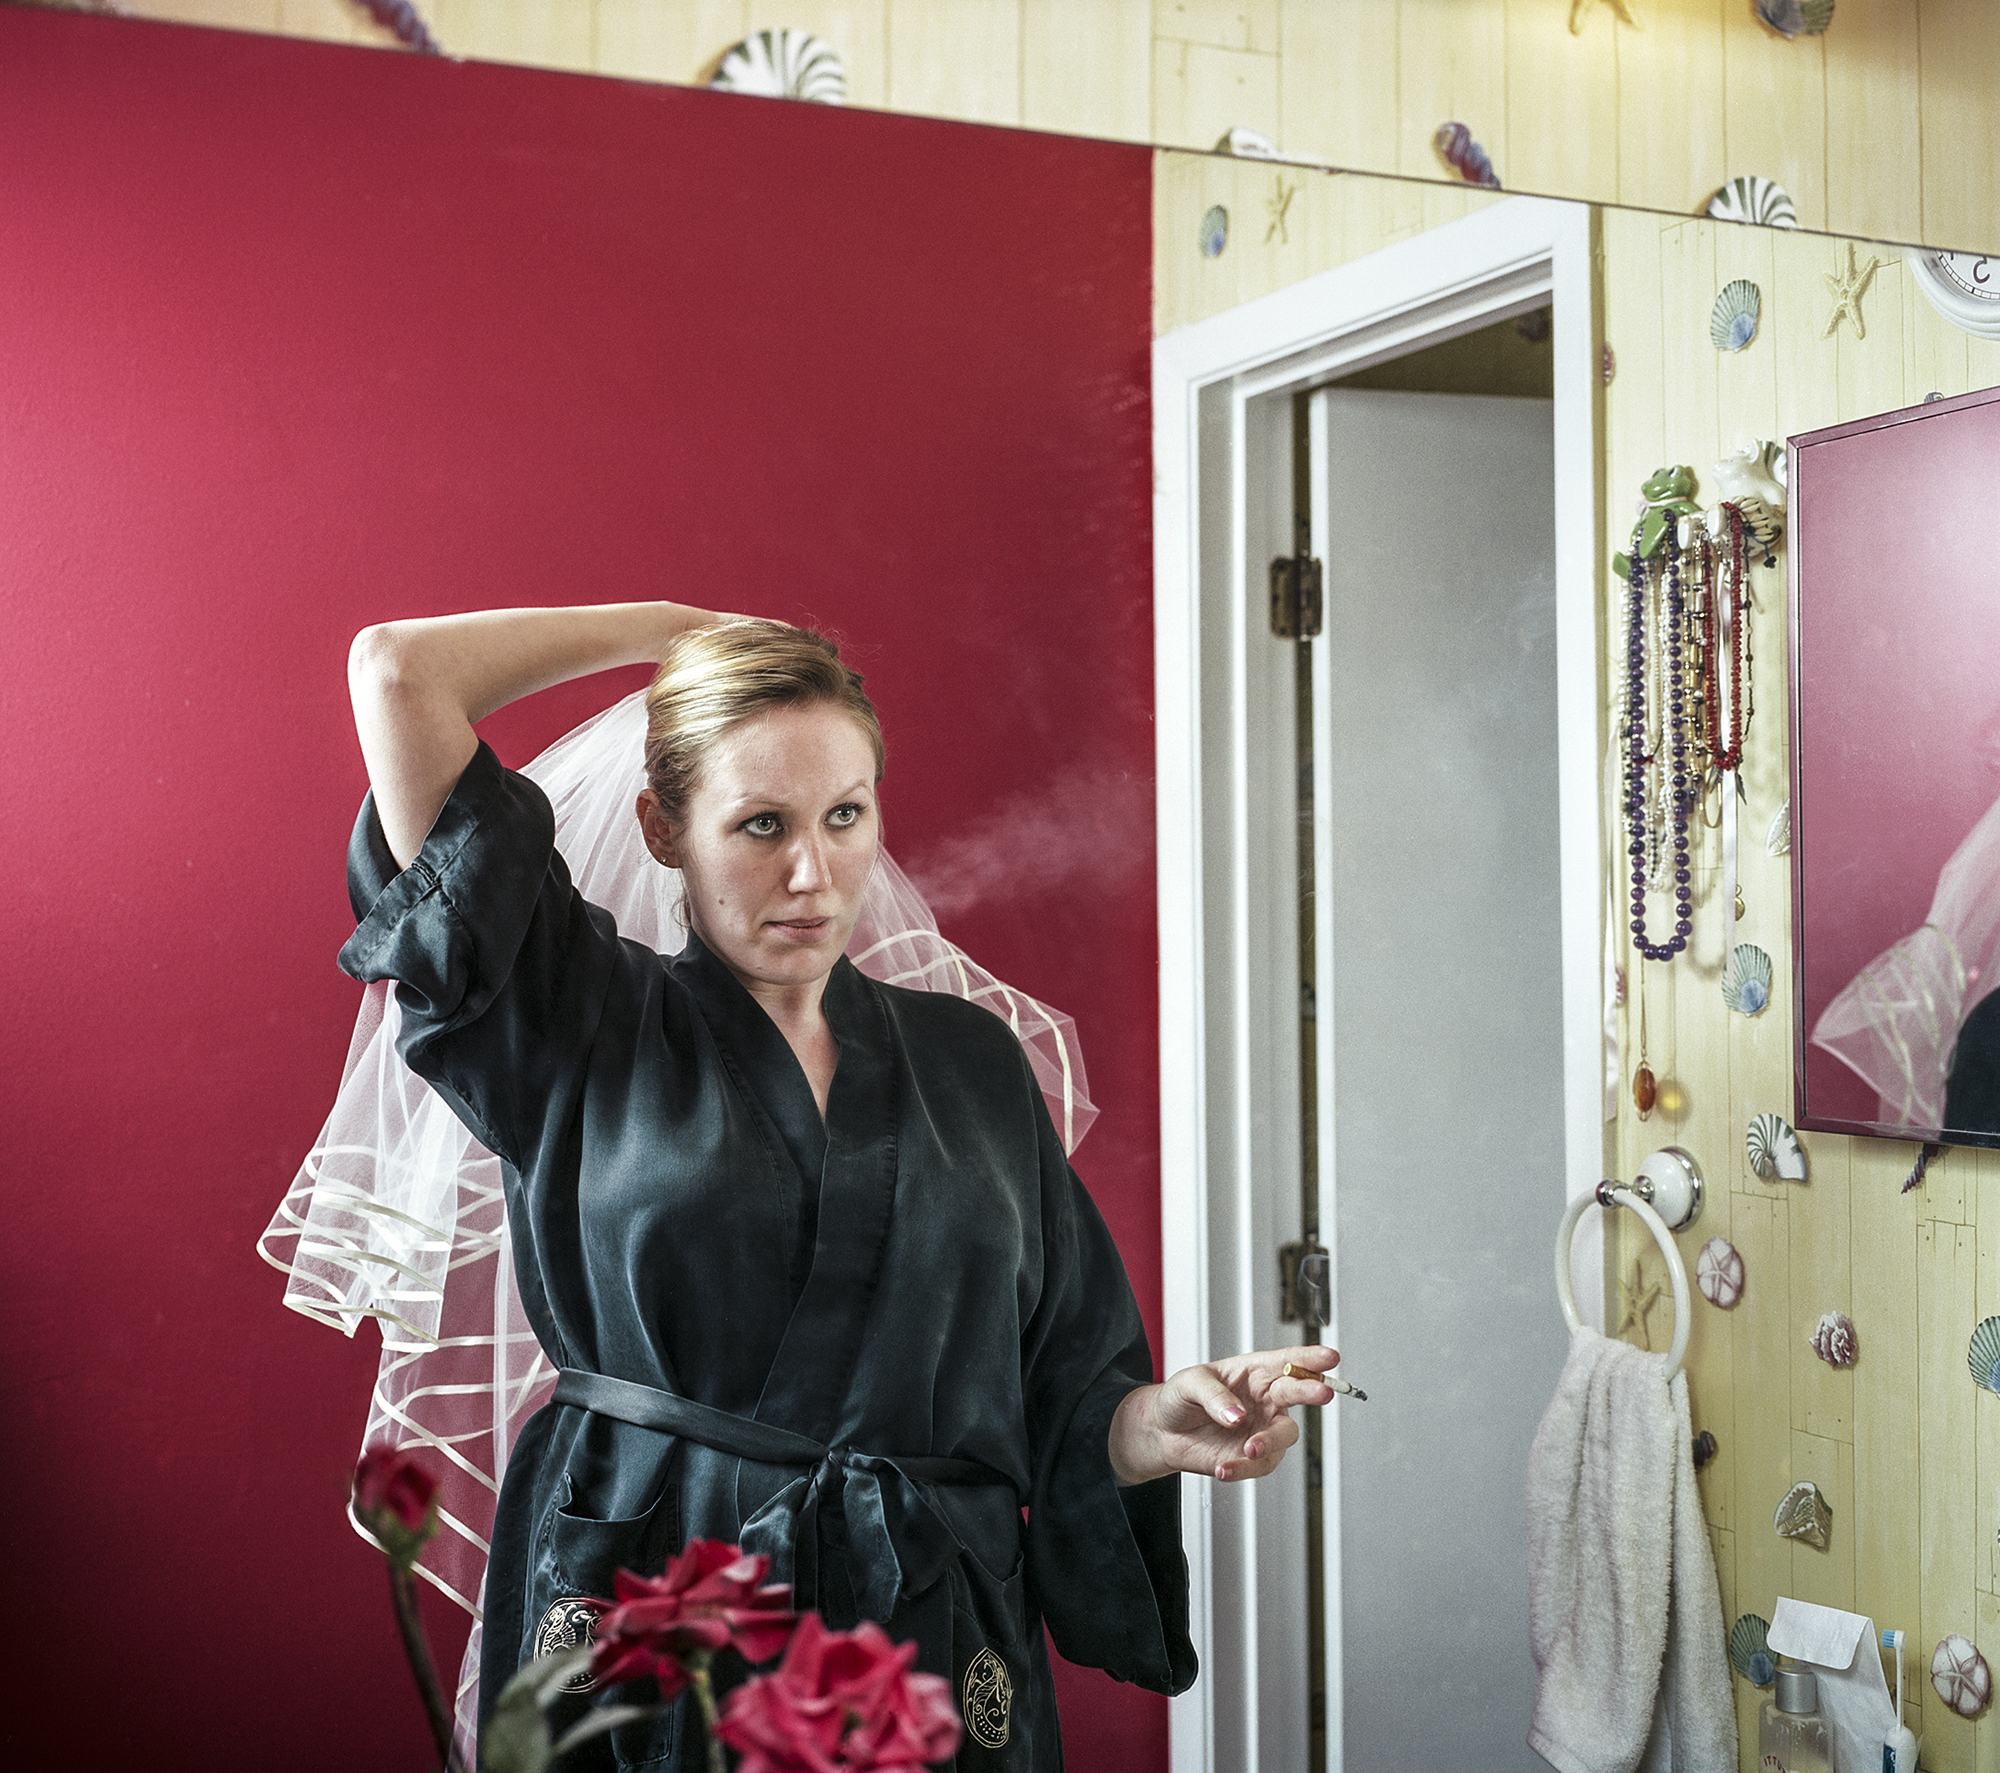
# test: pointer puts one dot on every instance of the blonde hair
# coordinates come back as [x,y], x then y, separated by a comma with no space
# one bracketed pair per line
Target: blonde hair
[717,676]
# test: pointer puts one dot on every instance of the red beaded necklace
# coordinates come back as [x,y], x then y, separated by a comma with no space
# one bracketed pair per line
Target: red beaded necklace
[1725,754]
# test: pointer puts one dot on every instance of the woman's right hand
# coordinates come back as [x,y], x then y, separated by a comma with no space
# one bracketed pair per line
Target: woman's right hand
[418,686]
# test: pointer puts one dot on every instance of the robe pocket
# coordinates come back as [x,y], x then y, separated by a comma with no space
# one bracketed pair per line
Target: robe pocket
[990,1666]
[578,1555]
[581,1552]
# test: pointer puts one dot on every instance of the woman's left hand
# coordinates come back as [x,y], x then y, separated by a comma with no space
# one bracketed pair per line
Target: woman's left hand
[1225,1419]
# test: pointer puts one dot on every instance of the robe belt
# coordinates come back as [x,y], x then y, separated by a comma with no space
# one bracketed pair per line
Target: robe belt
[900,1545]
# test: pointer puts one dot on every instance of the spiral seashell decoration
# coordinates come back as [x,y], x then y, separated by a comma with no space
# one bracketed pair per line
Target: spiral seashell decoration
[1732,322]
[784,64]
[1778,840]
[1718,1272]
[1833,1339]
[1960,1675]
[1750,1650]
[1464,155]
[1804,1514]
[1774,1149]
[1754,199]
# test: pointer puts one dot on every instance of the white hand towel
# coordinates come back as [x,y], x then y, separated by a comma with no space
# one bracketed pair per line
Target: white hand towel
[1621,1581]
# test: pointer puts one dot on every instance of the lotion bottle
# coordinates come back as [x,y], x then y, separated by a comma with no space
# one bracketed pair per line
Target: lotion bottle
[1791,1735]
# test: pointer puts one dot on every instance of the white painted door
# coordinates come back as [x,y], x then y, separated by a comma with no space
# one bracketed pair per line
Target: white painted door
[1440,1057]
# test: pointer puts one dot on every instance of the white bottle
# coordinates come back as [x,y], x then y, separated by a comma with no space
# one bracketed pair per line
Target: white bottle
[1791,1735]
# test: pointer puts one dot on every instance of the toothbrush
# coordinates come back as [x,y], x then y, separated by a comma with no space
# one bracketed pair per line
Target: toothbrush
[1899,1747]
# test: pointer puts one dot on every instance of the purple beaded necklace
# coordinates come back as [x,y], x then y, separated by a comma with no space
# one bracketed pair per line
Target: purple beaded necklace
[1680,803]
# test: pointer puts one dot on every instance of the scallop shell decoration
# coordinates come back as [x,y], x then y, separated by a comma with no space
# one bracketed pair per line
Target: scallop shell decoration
[1718,1272]
[1732,322]
[1796,18]
[1983,1356]
[1960,1675]
[1750,1651]
[1746,986]
[1804,1514]
[784,64]
[1754,199]
[1833,1339]
[1775,1152]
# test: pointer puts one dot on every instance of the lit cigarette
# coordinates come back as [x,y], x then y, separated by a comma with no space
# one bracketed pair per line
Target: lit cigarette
[1292,1370]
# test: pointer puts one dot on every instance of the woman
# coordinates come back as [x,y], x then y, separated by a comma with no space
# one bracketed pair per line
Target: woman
[805,1247]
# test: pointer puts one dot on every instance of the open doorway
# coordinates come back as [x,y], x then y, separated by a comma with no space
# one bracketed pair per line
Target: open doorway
[1235,1085]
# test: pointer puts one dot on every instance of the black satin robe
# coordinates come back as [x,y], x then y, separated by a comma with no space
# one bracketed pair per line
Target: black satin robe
[920,1274]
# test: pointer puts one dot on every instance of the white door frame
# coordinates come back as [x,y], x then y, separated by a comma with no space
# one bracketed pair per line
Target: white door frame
[1222,449]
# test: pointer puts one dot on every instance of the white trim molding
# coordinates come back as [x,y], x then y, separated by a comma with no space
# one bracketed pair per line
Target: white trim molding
[1222,452]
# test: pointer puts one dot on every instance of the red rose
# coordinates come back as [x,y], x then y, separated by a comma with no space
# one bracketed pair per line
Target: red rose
[395,1499]
[711,1596]
[841,1702]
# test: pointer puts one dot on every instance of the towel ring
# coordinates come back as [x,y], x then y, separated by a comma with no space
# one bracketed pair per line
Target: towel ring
[1670,1178]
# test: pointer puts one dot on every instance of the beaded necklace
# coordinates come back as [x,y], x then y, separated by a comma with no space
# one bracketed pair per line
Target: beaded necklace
[1672,709]
[1726,754]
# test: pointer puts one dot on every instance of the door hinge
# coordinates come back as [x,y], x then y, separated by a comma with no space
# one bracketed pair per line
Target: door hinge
[1295,597]
[1304,1282]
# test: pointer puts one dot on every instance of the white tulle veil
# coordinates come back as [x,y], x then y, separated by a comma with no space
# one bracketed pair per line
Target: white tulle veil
[1896,1023]
[398,1214]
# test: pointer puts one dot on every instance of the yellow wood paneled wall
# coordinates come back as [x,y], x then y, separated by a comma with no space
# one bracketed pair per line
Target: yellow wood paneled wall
[1885,126]
[1902,1445]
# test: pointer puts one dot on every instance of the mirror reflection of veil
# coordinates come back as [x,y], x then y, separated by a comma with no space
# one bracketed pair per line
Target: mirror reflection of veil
[1920,1023]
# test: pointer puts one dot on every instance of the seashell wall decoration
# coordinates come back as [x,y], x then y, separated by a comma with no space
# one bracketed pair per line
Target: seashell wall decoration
[1761,525]
[1746,986]
[1833,1339]
[1732,322]
[1983,1355]
[1750,1650]
[1804,1514]
[1718,1272]
[1247,144]
[1465,156]
[1214,232]
[784,64]
[1960,1675]
[1778,840]
[1753,470]
[1775,1152]
[1796,18]
[1754,199]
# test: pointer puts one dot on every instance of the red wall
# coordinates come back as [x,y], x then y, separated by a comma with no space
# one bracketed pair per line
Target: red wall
[294,338]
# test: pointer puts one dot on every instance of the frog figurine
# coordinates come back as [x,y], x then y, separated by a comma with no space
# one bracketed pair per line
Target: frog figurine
[1668,492]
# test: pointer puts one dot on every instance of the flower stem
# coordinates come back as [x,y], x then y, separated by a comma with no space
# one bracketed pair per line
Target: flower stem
[416,1647]
[704,1695]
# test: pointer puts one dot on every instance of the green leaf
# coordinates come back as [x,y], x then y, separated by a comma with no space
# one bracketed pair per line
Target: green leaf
[603,1718]
[516,1737]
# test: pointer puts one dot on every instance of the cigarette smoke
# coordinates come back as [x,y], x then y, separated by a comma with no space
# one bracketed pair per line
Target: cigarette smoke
[1089,831]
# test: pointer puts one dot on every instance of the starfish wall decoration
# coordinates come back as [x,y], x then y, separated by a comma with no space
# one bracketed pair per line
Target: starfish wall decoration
[1847,289]
[1639,1303]
[1623,8]
[1276,206]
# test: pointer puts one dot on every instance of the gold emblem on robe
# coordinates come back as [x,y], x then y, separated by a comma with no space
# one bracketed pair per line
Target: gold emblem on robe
[987,1697]
[571,1624]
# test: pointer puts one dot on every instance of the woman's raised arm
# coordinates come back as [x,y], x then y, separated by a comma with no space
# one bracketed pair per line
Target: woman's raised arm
[418,686]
